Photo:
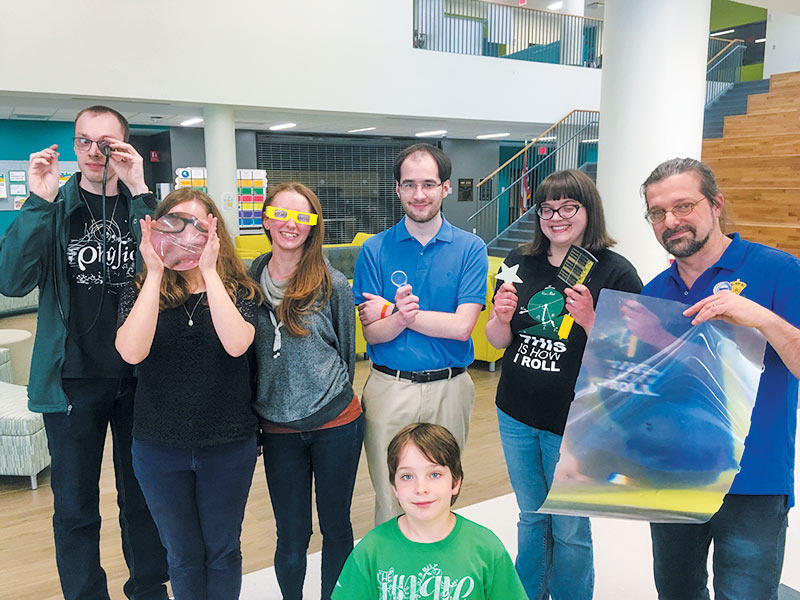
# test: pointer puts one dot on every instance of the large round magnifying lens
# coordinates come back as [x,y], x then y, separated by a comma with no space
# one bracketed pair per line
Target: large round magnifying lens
[399,278]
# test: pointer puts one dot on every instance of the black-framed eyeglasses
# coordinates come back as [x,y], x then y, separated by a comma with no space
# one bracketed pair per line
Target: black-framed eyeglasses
[84,144]
[177,222]
[679,210]
[408,187]
[565,212]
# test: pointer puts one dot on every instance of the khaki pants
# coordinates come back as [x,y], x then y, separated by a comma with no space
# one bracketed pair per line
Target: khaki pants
[390,404]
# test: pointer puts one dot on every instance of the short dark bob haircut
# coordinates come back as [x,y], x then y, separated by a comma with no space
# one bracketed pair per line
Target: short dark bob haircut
[577,186]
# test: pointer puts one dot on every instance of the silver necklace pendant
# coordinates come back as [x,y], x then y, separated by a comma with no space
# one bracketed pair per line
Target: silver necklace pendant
[191,314]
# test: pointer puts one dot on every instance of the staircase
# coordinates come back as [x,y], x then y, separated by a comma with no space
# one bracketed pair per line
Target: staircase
[757,165]
[504,220]
[732,102]
[520,232]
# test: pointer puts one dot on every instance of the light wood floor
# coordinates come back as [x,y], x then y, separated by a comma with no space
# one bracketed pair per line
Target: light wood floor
[27,557]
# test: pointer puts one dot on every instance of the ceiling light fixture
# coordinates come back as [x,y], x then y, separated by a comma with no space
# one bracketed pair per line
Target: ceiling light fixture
[282,126]
[491,136]
[592,141]
[761,40]
[722,32]
[362,130]
[436,133]
[192,121]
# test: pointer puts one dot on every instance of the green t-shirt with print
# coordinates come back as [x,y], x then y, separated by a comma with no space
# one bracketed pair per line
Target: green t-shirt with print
[469,564]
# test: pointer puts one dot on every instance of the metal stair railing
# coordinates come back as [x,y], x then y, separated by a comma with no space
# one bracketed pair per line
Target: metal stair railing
[724,67]
[564,145]
[490,28]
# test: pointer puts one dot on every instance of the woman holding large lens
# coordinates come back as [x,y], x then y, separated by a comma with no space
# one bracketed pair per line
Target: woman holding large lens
[311,421]
[539,371]
[188,323]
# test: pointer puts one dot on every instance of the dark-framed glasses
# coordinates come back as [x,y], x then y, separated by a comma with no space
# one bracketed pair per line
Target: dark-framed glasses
[284,214]
[565,212]
[679,210]
[408,187]
[176,222]
[84,144]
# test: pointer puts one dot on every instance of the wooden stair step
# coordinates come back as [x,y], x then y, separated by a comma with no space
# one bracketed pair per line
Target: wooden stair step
[762,124]
[786,239]
[761,145]
[761,171]
[758,103]
[775,207]
[781,80]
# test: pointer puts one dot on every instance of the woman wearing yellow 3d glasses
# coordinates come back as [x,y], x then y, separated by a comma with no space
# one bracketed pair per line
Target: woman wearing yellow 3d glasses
[311,420]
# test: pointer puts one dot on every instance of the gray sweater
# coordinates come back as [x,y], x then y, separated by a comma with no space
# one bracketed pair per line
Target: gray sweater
[304,382]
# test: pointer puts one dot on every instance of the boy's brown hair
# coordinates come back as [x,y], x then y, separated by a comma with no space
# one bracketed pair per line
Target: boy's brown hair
[434,441]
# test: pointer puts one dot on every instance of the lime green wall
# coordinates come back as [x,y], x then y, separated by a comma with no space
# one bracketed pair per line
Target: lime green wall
[726,14]
[753,72]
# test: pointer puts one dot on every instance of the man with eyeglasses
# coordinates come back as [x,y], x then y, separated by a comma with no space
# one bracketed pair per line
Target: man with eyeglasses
[419,286]
[78,245]
[744,283]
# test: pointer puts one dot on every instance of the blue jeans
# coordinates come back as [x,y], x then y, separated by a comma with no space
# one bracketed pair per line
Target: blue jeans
[749,534]
[76,441]
[330,456]
[197,497]
[554,554]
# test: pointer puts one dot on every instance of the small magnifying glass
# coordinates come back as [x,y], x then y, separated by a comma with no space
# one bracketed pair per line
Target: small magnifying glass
[399,278]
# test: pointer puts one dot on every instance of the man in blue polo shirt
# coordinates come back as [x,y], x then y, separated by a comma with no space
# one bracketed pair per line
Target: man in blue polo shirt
[420,287]
[744,283]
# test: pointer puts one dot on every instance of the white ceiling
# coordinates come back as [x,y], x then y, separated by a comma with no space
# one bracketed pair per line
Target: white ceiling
[142,113]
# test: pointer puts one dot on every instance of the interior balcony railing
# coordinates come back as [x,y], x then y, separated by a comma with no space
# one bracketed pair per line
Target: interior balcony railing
[507,193]
[520,33]
[724,66]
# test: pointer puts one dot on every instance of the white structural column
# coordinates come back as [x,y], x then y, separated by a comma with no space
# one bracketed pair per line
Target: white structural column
[572,33]
[651,109]
[220,143]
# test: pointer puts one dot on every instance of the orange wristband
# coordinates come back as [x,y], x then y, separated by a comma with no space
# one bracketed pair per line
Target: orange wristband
[383,310]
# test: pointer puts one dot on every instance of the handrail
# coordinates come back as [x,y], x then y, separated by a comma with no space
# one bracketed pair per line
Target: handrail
[507,192]
[527,172]
[730,43]
[549,12]
[527,146]
[501,30]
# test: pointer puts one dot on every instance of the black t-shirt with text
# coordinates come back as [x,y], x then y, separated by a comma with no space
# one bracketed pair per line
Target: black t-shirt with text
[540,370]
[93,354]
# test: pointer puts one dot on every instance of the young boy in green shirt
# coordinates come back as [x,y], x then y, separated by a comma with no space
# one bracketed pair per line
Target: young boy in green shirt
[429,551]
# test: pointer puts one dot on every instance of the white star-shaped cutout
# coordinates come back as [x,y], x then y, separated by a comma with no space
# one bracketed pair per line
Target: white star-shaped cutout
[508,274]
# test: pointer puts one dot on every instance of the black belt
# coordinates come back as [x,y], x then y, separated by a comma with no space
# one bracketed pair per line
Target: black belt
[422,376]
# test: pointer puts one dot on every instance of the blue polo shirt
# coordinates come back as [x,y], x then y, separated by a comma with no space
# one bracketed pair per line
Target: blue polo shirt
[450,270]
[770,278]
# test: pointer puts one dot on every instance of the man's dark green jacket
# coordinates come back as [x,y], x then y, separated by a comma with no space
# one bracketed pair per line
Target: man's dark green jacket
[33,253]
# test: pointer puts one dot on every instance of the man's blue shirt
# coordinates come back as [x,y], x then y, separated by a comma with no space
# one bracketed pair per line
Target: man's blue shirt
[448,271]
[770,278]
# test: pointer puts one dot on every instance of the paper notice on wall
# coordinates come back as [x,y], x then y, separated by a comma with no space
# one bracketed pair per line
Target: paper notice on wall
[18,189]
[18,202]
[3,192]
[16,176]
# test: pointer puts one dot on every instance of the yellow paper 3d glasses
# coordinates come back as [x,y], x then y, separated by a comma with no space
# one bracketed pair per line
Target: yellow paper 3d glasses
[284,214]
